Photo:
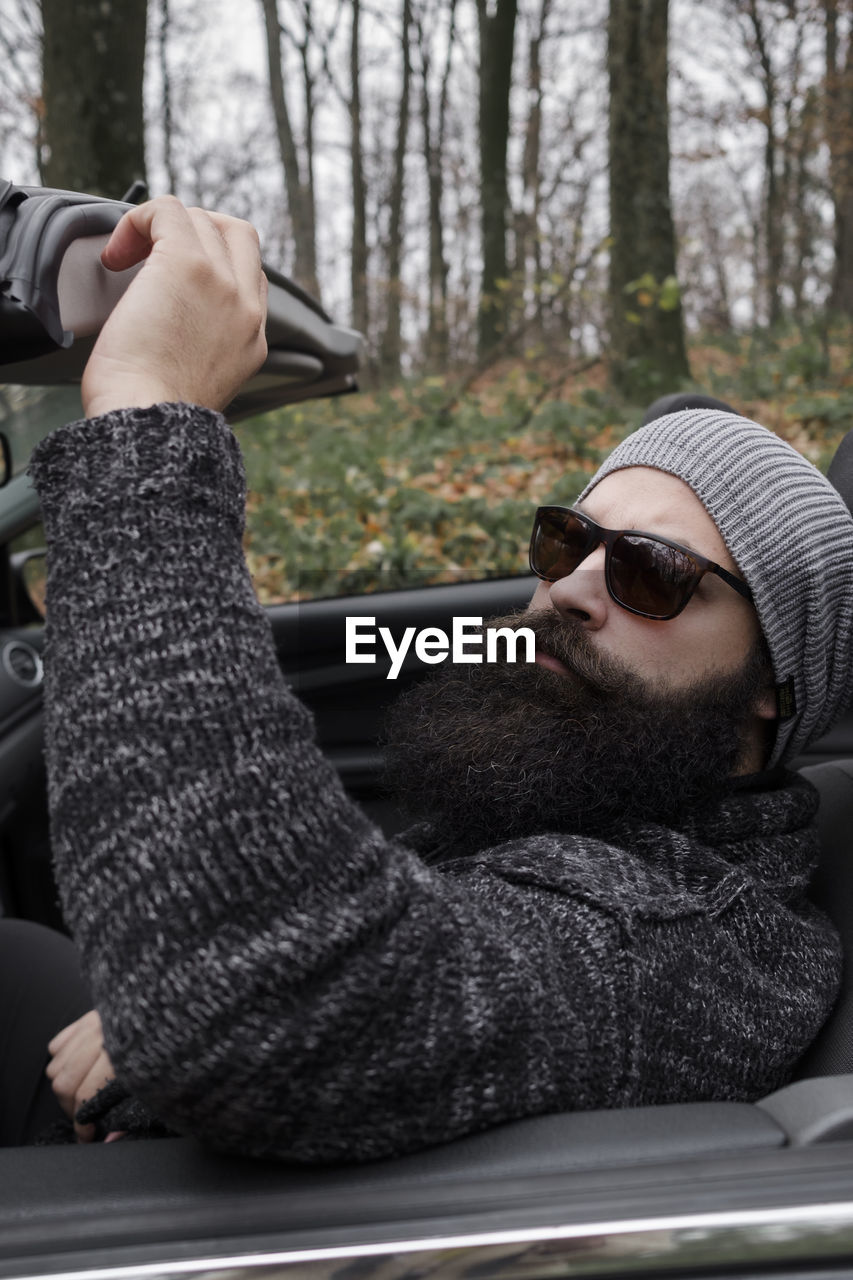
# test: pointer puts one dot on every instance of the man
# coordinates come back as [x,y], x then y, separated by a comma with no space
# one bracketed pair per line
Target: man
[607,907]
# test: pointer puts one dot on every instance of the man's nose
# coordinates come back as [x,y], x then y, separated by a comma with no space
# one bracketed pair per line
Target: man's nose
[582,595]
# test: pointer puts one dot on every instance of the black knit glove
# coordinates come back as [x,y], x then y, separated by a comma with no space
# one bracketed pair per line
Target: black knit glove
[111,1110]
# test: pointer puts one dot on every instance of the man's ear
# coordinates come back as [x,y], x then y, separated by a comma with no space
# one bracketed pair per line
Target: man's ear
[766,706]
[760,731]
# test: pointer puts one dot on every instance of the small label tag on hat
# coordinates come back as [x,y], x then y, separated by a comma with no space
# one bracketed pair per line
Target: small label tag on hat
[786,699]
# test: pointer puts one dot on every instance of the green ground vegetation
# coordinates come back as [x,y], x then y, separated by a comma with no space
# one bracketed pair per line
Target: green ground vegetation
[418,484]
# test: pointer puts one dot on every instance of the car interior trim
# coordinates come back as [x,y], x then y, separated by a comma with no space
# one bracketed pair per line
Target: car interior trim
[655,1246]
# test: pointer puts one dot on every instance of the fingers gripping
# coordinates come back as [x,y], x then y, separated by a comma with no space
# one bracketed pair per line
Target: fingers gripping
[191,325]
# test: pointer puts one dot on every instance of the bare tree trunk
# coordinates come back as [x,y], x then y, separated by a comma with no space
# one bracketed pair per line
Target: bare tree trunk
[297,188]
[358,260]
[166,82]
[721,316]
[310,198]
[839,132]
[497,39]
[774,231]
[560,316]
[92,64]
[529,248]
[390,349]
[433,144]
[647,348]
[803,223]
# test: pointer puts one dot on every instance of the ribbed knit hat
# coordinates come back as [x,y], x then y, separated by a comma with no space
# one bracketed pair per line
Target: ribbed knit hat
[790,534]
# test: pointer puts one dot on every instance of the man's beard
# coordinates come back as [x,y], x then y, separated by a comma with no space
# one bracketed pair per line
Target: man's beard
[488,753]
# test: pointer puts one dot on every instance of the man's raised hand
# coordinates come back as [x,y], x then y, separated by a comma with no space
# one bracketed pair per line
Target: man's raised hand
[190,326]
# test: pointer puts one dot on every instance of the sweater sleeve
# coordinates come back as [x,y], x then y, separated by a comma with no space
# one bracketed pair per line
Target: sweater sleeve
[273,975]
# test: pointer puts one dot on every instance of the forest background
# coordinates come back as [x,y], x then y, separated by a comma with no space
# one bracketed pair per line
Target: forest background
[541,215]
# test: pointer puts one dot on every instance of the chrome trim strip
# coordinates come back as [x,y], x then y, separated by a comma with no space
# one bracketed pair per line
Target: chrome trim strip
[643,1246]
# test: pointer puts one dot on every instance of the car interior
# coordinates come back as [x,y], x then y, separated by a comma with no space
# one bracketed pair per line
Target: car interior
[75,1209]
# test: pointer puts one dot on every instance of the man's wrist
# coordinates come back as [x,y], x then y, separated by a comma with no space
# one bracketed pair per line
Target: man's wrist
[137,398]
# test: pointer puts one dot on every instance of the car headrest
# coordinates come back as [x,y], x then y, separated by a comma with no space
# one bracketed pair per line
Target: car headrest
[840,473]
[679,400]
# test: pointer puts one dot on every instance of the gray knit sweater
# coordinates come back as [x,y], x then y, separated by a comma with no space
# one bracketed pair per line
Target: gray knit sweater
[277,977]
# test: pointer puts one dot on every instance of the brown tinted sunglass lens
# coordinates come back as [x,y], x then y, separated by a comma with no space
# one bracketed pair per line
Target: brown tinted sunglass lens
[650,576]
[559,544]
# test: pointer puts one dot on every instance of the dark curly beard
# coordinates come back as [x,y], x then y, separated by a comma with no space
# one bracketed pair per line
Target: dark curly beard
[492,752]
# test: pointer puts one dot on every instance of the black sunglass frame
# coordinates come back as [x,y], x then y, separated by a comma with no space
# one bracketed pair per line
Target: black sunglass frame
[597,535]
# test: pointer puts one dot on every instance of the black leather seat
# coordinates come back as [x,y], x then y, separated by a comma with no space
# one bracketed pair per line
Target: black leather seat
[832,889]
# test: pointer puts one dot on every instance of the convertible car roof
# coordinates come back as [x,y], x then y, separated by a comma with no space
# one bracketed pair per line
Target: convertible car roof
[55,295]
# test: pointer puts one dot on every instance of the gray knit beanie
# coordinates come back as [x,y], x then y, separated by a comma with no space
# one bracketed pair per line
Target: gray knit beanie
[790,534]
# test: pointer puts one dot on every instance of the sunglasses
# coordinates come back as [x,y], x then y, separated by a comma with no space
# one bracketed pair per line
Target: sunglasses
[645,574]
